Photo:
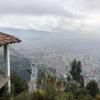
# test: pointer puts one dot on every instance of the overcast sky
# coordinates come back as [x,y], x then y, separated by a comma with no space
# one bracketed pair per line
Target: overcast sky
[81,15]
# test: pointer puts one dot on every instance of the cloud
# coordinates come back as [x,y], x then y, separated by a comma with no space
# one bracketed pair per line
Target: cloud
[50,23]
[82,6]
[36,7]
[29,22]
[51,15]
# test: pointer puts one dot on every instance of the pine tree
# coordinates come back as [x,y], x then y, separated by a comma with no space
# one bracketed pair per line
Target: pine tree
[75,71]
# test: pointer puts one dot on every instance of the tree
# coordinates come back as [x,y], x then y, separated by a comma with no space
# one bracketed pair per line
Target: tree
[93,88]
[81,81]
[68,78]
[75,71]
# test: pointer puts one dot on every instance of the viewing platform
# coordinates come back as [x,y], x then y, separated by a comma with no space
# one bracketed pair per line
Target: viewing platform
[5,41]
[3,81]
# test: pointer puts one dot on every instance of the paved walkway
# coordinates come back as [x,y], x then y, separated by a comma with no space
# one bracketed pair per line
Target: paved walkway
[3,81]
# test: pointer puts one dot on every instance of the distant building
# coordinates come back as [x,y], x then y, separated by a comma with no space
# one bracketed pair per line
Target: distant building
[46,69]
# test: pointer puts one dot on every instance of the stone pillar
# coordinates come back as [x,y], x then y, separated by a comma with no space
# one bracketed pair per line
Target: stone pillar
[7,64]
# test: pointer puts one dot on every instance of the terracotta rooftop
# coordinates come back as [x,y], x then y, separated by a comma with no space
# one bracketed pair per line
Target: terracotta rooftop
[8,39]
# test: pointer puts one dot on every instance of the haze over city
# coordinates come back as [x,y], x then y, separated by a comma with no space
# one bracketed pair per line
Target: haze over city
[53,25]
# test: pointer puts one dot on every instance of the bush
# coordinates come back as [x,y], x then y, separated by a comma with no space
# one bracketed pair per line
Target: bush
[71,87]
[82,97]
[18,85]
[23,96]
[93,88]
[82,91]
[69,96]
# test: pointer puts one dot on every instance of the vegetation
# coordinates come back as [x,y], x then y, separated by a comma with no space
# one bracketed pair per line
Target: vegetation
[18,85]
[92,86]
[52,87]
[75,71]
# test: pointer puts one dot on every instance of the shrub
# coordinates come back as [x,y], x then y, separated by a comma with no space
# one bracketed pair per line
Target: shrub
[92,86]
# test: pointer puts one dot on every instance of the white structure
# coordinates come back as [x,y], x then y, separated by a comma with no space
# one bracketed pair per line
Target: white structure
[34,73]
[33,82]
[5,41]
[7,63]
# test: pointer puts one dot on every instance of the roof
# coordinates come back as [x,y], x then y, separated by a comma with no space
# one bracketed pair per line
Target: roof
[8,39]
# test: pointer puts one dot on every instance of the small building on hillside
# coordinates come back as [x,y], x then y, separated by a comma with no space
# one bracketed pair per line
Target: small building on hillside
[5,41]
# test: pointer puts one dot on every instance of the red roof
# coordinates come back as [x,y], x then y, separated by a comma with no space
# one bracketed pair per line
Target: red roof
[8,39]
